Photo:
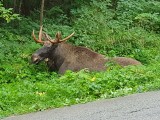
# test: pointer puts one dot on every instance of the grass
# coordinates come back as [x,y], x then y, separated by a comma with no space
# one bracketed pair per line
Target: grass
[50,90]
[26,88]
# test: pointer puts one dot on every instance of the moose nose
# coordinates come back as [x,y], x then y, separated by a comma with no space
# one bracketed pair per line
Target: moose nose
[35,58]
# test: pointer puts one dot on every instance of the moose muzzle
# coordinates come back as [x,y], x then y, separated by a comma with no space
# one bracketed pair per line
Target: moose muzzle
[36,58]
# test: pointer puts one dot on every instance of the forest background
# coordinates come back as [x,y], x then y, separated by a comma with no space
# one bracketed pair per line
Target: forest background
[128,28]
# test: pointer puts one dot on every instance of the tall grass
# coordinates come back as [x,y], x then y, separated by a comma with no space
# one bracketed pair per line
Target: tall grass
[25,87]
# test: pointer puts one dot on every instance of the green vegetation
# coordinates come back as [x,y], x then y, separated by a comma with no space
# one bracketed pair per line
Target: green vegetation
[110,27]
[7,14]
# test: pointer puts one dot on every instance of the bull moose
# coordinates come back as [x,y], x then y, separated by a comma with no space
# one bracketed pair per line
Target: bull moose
[63,56]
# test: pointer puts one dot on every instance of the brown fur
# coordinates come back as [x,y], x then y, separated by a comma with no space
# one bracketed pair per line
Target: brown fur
[63,56]
[68,57]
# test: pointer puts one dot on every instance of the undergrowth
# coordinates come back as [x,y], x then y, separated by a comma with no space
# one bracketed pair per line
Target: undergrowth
[25,87]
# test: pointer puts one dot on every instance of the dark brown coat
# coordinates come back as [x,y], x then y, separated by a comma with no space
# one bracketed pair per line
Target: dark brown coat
[63,56]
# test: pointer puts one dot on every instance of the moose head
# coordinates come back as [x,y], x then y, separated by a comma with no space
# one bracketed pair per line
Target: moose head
[62,56]
[49,45]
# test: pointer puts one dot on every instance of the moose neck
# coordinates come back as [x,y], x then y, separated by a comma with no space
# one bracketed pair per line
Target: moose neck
[60,53]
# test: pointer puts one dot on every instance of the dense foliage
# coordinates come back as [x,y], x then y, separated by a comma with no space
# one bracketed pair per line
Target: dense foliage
[7,14]
[111,27]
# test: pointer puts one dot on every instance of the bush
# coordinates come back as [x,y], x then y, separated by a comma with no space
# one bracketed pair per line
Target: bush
[114,33]
[25,87]
[7,14]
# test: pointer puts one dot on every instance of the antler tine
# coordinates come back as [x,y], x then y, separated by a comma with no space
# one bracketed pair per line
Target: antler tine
[58,38]
[40,33]
[50,39]
[47,36]
[39,37]
[67,37]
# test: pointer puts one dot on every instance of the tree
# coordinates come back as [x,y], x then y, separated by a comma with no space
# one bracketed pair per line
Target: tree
[41,15]
[7,14]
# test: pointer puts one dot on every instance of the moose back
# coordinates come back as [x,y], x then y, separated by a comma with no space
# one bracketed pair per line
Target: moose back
[62,56]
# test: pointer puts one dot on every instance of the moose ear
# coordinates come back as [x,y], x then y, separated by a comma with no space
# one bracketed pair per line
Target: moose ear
[58,35]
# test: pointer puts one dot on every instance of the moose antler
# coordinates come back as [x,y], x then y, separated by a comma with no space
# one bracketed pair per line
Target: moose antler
[39,40]
[53,41]
[58,38]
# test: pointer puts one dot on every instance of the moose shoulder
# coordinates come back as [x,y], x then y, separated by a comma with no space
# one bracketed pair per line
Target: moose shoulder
[62,56]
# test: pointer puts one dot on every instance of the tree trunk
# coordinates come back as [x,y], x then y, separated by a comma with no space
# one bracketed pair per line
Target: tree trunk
[41,15]
[15,5]
[20,7]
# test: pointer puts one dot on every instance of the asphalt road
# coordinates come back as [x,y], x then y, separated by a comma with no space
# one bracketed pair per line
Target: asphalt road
[144,106]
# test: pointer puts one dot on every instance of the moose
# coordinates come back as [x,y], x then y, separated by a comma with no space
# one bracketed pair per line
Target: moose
[61,56]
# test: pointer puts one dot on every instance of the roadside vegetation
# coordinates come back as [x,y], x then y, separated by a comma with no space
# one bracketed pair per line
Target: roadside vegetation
[110,27]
